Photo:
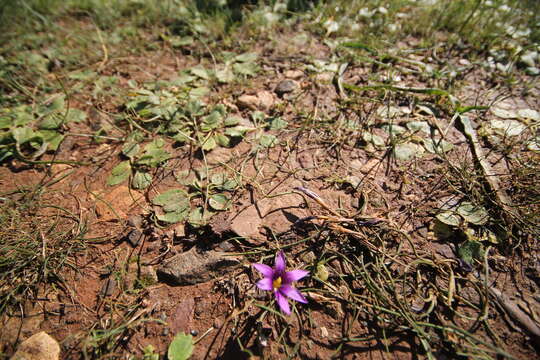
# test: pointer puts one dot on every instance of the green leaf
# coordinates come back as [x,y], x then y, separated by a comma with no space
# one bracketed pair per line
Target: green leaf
[470,250]
[437,146]
[407,151]
[181,347]
[6,122]
[473,214]
[277,123]
[154,154]
[173,217]
[199,92]
[222,140]
[141,180]
[268,141]
[376,140]
[209,144]
[246,57]
[200,72]
[232,121]
[449,218]
[182,136]
[416,126]
[23,135]
[75,115]
[172,200]
[53,138]
[222,182]
[130,149]
[248,68]
[211,121]
[196,218]
[119,173]
[225,75]
[237,131]
[51,122]
[393,129]
[219,202]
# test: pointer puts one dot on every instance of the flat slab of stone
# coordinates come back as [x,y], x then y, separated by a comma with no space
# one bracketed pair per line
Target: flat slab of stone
[192,267]
[40,346]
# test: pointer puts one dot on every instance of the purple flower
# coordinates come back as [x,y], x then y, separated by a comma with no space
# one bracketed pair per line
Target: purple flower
[279,281]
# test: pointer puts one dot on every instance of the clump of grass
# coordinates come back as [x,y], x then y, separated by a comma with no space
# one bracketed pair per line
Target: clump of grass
[38,243]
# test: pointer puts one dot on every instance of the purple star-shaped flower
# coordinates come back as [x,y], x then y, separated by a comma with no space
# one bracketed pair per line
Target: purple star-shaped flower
[279,281]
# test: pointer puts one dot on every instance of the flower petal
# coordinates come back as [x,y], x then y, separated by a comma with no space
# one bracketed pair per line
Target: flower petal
[266,270]
[280,263]
[265,284]
[293,293]
[294,275]
[283,303]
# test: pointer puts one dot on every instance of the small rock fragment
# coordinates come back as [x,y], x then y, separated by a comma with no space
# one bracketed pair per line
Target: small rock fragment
[286,86]
[40,346]
[191,267]
[182,317]
[108,287]
[266,100]
[135,221]
[134,237]
[294,74]
[248,101]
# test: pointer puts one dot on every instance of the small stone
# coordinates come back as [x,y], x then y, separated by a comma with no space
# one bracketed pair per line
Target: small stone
[182,317]
[248,101]
[286,86]
[134,237]
[225,246]
[217,324]
[180,230]
[191,267]
[324,332]
[148,273]
[40,346]
[135,221]
[294,74]
[108,287]
[266,100]
[247,223]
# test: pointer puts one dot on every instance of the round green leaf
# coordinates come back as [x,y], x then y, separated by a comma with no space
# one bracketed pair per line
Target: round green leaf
[473,214]
[449,218]
[219,202]
[181,347]
[141,180]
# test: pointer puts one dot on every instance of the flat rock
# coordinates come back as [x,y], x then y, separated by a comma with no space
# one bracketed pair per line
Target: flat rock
[294,74]
[191,267]
[286,86]
[266,100]
[246,224]
[263,100]
[182,316]
[248,101]
[40,346]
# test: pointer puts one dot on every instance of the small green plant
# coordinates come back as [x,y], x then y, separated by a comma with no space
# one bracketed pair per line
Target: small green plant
[27,132]
[181,347]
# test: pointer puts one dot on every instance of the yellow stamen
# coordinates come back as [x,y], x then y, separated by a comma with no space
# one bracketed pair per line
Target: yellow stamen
[277,283]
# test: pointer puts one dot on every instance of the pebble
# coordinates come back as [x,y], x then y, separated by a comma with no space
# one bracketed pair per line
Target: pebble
[134,237]
[286,86]
[40,346]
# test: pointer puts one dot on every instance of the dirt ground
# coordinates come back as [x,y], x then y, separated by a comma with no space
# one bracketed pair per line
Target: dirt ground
[114,284]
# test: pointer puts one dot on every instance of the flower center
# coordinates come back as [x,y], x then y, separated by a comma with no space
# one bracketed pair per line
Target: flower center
[277,283]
